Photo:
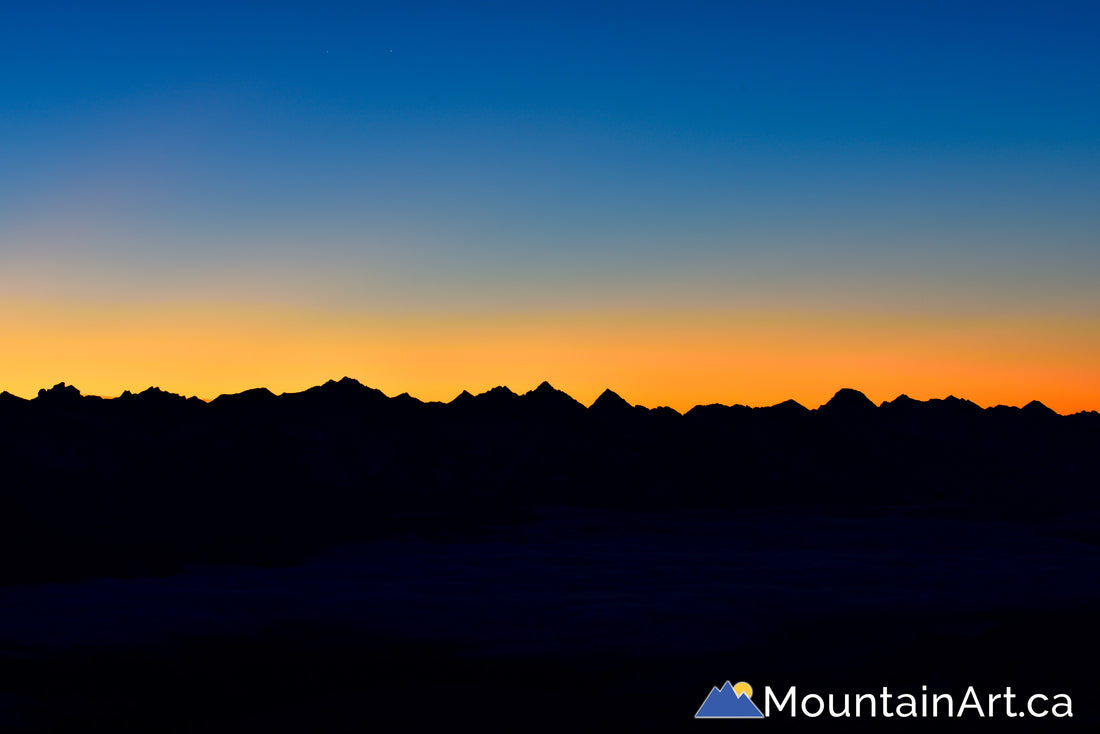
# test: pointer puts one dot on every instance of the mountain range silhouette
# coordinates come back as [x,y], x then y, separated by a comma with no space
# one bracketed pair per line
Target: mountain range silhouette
[348,392]
[154,478]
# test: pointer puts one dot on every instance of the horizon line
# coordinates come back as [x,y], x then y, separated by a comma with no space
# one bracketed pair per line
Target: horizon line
[541,385]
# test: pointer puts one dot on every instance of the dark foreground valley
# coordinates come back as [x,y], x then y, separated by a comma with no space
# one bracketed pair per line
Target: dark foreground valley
[338,560]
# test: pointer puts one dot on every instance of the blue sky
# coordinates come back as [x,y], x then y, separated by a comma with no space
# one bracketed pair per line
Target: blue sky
[936,158]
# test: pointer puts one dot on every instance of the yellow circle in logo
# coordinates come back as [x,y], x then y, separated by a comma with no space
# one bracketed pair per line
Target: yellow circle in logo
[744,688]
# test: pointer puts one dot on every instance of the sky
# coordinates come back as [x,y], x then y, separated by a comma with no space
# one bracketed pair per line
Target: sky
[688,203]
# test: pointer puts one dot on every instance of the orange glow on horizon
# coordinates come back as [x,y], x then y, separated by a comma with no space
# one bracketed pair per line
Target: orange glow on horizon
[675,359]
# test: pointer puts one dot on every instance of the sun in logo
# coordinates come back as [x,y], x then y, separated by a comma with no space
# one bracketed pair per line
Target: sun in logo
[729,702]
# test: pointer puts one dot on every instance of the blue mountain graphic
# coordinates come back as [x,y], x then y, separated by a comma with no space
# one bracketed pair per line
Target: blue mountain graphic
[725,704]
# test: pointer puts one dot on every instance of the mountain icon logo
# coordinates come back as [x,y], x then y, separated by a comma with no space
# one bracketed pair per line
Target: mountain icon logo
[729,702]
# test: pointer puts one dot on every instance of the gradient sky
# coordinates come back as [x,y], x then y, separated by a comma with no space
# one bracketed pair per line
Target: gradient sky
[686,202]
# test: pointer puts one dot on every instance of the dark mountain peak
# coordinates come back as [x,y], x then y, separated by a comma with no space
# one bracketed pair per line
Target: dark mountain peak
[255,396]
[496,401]
[7,397]
[1035,408]
[151,396]
[949,409]
[958,403]
[545,396]
[848,401]
[713,411]
[346,386]
[697,410]
[463,398]
[336,393]
[343,385]
[789,406]
[59,393]
[610,401]
[406,399]
[901,401]
[156,392]
[498,398]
